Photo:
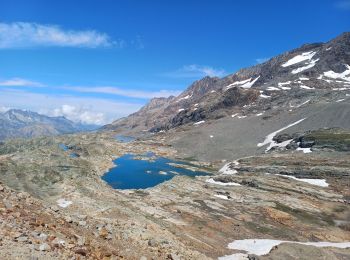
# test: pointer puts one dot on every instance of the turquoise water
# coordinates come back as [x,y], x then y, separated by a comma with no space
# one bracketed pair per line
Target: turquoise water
[74,155]
[124,138]
[63,147]
[132,173]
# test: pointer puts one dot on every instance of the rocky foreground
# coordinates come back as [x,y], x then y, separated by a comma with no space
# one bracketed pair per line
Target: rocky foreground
[54,206]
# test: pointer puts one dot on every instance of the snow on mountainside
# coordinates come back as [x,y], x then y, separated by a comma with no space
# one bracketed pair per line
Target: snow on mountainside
[19,123]
[313,72]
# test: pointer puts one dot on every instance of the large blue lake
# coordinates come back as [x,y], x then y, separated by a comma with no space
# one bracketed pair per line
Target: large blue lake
[144,172]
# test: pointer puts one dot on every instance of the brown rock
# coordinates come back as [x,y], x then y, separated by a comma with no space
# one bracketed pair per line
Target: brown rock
[81,251]
[103,233]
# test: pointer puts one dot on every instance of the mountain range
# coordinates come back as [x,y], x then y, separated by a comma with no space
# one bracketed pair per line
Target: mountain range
[20,123]
[289,78]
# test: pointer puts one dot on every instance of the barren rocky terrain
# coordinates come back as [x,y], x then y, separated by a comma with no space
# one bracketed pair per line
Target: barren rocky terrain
[184,218]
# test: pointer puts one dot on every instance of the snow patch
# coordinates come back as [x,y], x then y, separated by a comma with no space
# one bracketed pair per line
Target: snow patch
[181,109]
[305,150]
[308,66]
[272,88]
[269,138]
[263,246]
[63,203]
[317,182]
[237,83]
[299,58]
[280,84]
[307,101]
[334,75]
[227,170]
[286,88]
[200,122]
[306,87]
[212,181]
[248,83]
[224,197]
[264,96]
[340,100]
[184,98]
[238,256]
[339,89]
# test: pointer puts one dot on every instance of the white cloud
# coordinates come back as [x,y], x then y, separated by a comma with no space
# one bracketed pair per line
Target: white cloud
[126,92]
[79,114]
[261,60]
[196,71]
[86,110]
[4,109]
[25,35]
[19,82]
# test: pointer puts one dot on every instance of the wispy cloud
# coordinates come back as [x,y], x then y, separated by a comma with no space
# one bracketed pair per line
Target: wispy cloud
[343,5]
[19,82]
[125,92]
[261,60]
[138,43]
[196,71]
[26,35]
[88,110]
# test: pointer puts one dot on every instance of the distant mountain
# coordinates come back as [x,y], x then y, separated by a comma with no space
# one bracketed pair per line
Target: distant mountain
[314,72]
[20,123]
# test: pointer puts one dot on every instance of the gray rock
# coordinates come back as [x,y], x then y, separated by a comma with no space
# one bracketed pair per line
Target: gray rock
[54,208]
[44,247]
[82,223]
[152,242]
[22,239]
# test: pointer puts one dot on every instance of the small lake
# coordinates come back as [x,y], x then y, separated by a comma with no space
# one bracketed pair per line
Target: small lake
[145,171]
[65,148]
[124,138]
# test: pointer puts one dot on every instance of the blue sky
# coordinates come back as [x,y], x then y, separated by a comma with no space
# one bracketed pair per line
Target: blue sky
[95,61]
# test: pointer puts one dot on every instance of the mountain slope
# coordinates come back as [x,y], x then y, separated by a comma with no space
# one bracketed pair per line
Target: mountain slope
[18,123]
[314,72]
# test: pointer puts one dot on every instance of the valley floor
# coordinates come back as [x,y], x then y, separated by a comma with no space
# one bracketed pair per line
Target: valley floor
[54,206]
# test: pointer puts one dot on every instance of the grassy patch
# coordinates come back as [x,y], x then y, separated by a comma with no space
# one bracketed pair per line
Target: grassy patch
[338,139]
[306,217]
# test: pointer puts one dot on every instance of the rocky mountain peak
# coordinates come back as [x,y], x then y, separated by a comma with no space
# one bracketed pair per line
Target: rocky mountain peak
[303,73]
[23,123]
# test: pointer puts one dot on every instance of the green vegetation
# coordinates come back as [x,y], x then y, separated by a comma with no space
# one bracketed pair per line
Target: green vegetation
[333,138]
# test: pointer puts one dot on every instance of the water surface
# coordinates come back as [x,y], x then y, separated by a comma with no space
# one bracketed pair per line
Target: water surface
[124,138]
[132,173]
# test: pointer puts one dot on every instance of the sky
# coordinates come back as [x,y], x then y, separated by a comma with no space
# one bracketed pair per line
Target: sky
[94,61]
